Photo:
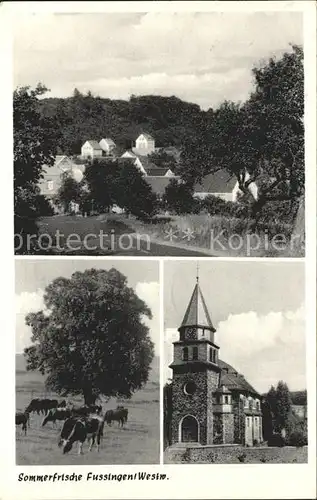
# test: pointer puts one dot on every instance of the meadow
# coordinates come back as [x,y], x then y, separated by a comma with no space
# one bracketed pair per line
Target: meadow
[138,442]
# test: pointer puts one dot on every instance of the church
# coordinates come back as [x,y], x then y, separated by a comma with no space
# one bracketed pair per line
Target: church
[212,404]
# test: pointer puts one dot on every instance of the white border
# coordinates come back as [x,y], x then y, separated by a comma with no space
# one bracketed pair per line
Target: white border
[186,481]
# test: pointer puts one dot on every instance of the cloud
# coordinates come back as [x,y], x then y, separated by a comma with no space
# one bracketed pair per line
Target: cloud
[201,57]
[264,348]
[25,303]
[149,292]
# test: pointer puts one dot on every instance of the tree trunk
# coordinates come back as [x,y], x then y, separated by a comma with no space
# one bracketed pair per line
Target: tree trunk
[89,397]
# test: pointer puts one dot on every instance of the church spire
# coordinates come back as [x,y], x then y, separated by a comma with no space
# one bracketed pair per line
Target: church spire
[197,314]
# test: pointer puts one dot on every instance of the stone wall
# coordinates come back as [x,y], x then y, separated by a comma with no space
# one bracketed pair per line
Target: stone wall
[229,455]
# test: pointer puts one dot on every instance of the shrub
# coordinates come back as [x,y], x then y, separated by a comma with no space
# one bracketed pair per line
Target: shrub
[297,438]
[186,455]
[263,460]
[276,440]
[241,457]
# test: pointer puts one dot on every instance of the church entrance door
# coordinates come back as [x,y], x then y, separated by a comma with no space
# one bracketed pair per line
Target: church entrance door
[189,430]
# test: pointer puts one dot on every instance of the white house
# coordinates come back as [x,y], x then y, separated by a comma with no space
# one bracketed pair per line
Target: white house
[222,185]
[144,145]
[91,149]
[107,145]
[51,181]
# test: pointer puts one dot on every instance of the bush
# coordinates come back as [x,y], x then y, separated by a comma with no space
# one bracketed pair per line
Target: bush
[298,439]
[242,457]
[276,440]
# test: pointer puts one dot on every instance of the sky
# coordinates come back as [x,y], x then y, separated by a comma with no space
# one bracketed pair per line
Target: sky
[202,58]
[32,277]
[257,309]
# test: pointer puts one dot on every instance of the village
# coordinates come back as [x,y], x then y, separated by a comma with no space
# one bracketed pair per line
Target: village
[220,184]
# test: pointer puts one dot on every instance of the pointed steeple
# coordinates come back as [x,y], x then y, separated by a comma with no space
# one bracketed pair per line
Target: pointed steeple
[197,314]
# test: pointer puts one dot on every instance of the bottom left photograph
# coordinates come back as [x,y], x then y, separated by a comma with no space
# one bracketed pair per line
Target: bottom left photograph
[87,362]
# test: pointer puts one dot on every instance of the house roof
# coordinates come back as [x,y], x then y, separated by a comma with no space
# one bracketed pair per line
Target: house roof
[108,140]
[158,184]
[197,313]
[217,182]
[157,172]
[56,170]
[233,380]
[147,136]
[94,144]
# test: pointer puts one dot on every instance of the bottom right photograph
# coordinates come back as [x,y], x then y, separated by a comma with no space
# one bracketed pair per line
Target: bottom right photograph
[234,362]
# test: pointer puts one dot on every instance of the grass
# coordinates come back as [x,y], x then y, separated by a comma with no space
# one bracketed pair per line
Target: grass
[138,442]
[216,234]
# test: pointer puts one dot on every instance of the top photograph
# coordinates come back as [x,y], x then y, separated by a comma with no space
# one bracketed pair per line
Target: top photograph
[159,134]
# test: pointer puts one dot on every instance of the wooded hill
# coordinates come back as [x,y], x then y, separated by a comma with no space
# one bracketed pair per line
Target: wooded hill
[170,120]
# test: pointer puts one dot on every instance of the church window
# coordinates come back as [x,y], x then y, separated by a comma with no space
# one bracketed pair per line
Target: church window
[195,352]
[190,388]
[185,354]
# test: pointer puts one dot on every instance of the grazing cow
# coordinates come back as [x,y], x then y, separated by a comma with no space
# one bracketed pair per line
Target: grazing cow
[22,419]
[85,410]
[80,429]
[120,415]
[34,406]
[56,414]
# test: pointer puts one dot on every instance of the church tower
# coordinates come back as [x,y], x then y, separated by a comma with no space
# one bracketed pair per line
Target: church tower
[195,374]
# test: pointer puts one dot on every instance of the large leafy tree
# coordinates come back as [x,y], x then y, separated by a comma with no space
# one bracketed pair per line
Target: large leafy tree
[92,341]
[133,193]
[264,136]
[178,197]
[69,191]
[34,146]
[99,178]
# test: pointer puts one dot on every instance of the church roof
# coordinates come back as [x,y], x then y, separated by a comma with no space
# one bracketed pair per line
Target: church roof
[197,313]
[233,380]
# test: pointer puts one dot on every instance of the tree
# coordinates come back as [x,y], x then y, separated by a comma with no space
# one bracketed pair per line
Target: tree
[264,136]
[178,197]
[69,192]
[133,193]
[100,180]
[279,403]
[283,406]
[93,340]
[168,410]
[34,146]
[163,160]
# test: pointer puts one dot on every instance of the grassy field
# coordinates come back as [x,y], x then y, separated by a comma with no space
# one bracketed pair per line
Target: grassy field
[138,442]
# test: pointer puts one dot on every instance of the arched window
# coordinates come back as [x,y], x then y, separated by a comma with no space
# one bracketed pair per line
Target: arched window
[226,400]
[195,352]
[185,354]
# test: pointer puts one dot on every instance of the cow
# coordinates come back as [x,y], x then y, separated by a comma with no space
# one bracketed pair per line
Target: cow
[56,414]
[42,405]
[22,419]
[86,410]
[80,429]
[34,406]
[120,415]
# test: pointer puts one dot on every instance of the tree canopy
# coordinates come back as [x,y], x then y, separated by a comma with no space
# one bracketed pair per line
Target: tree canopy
[263,136]
[91,339]
[35,140]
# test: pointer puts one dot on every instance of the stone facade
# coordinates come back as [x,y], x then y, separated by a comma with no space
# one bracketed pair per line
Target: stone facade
[212,403]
